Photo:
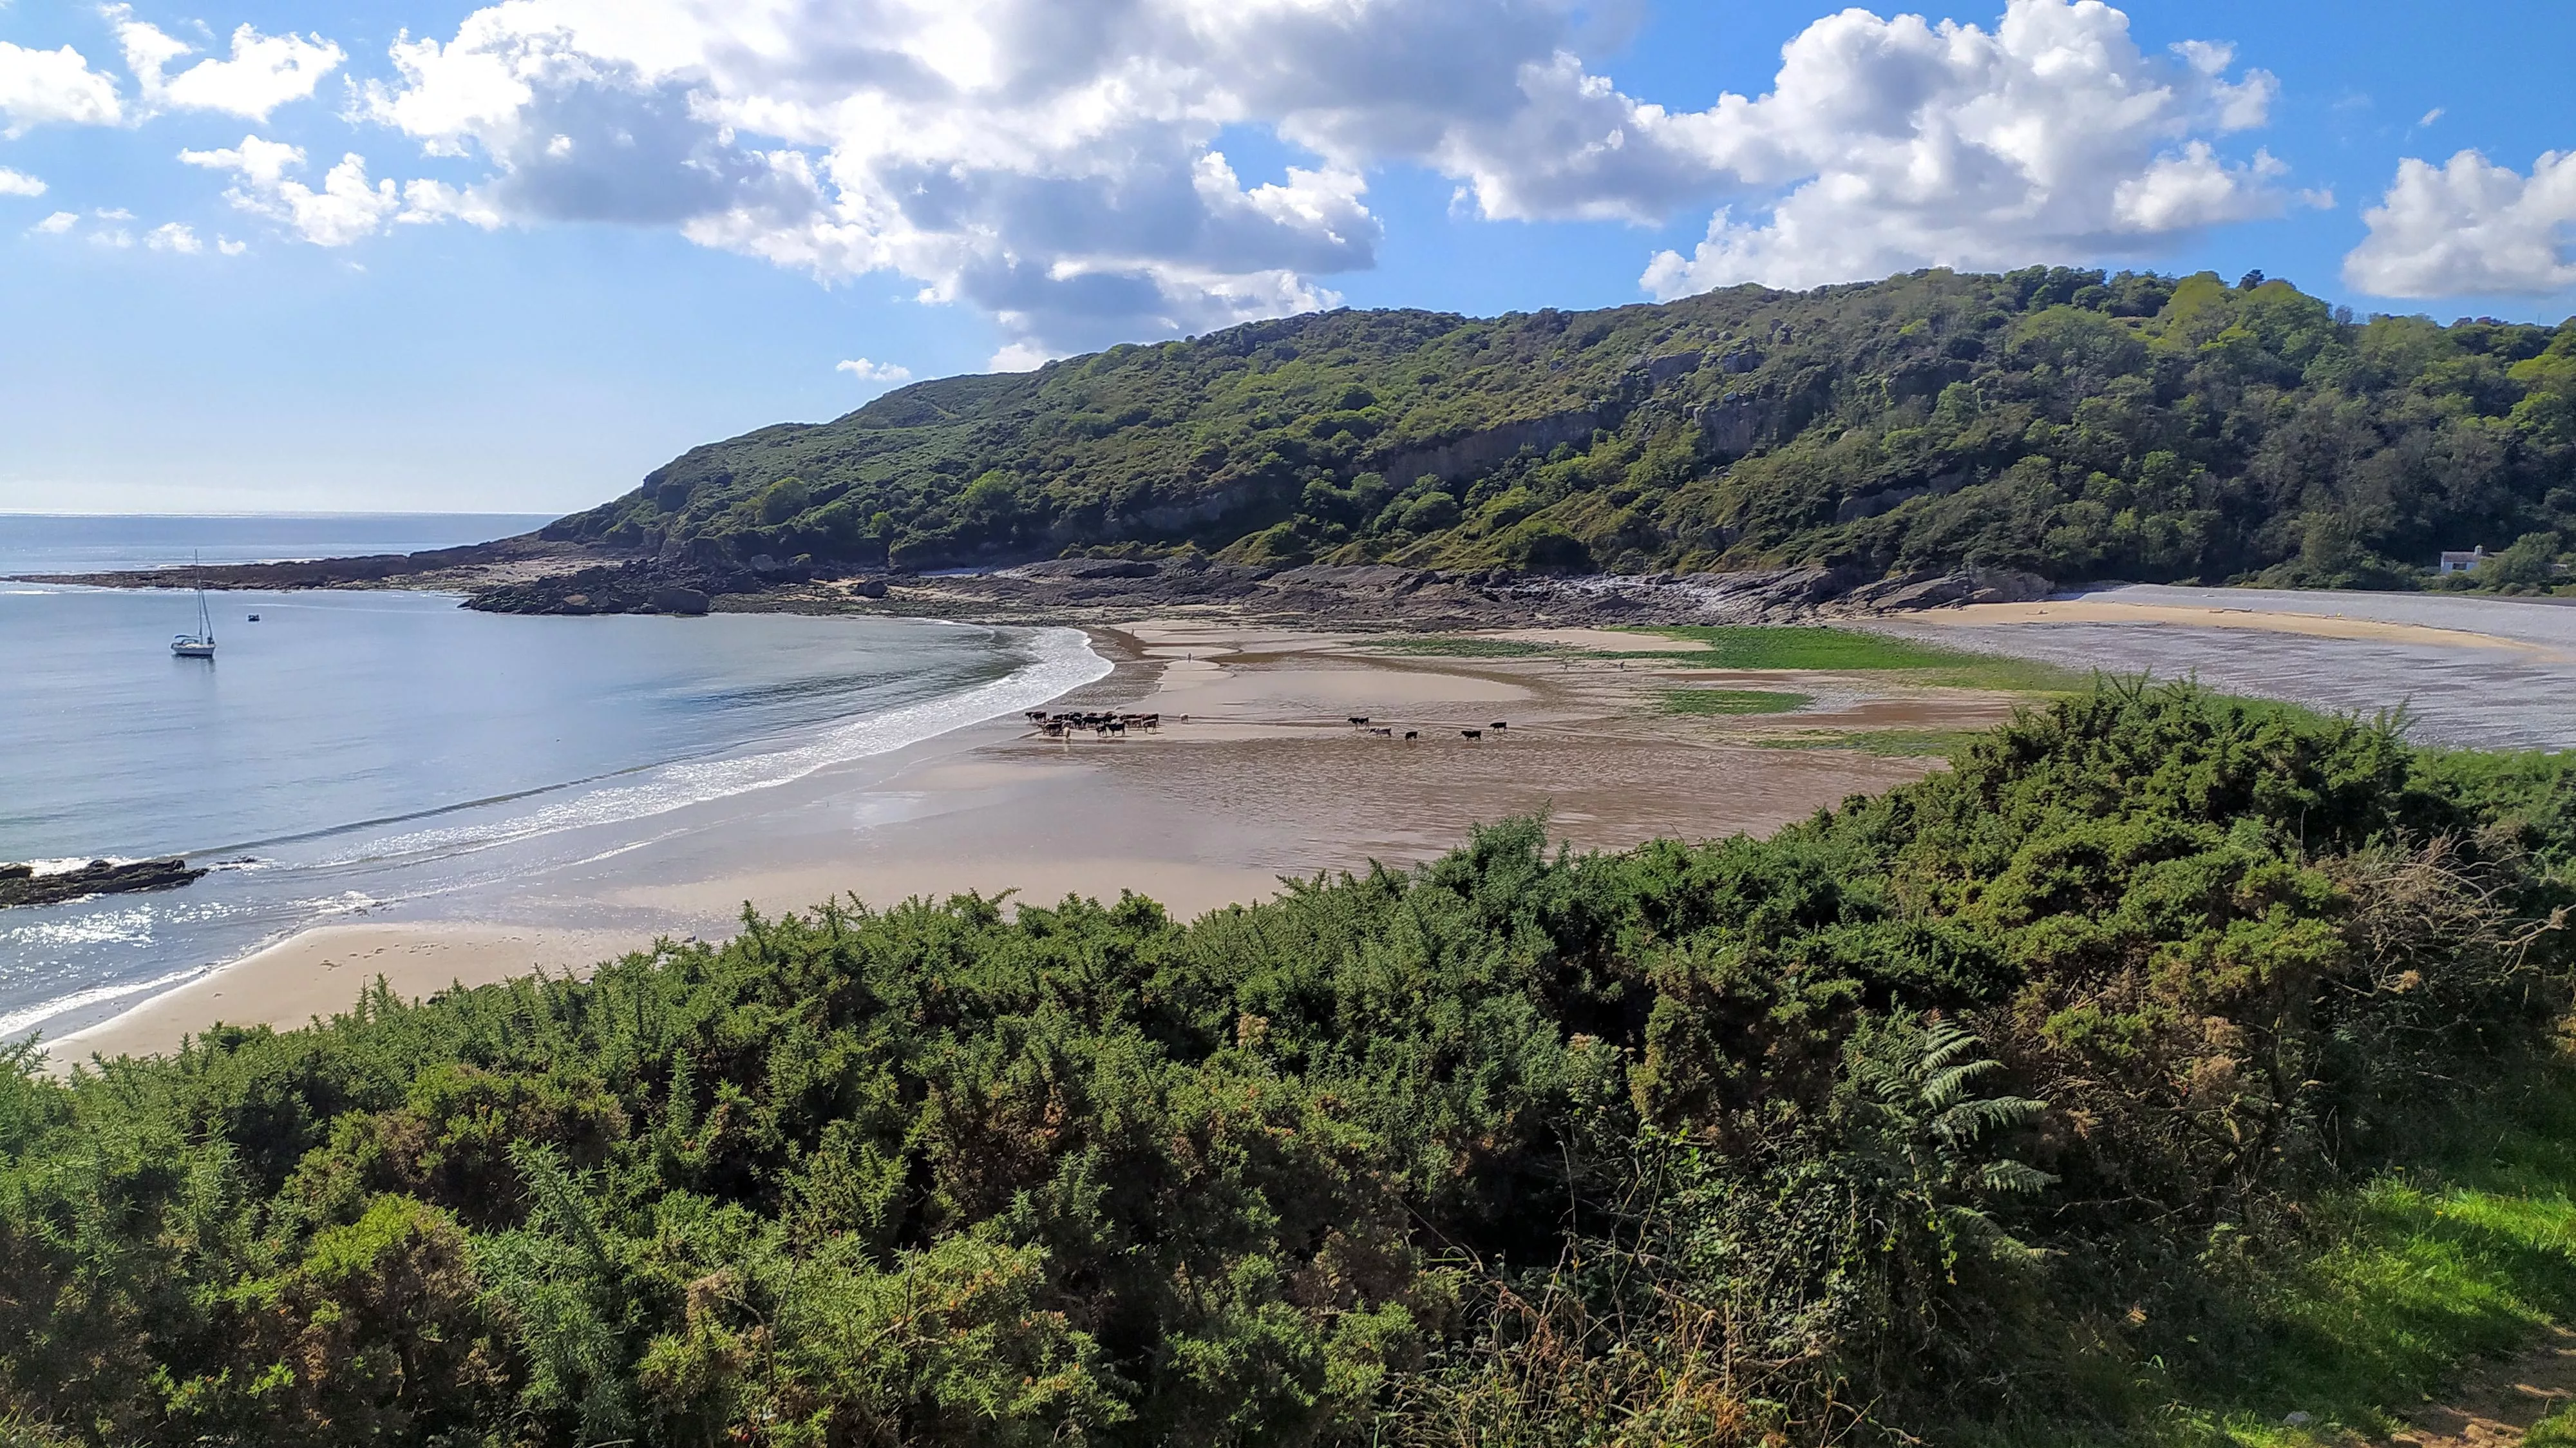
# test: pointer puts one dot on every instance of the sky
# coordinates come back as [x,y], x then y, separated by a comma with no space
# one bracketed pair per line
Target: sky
[316,255]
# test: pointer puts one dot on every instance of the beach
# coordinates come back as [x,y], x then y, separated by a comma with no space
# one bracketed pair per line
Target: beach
[2482,672]
[1254,775]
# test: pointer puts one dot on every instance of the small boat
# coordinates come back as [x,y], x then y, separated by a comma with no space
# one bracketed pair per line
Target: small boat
[254,618]
[201,644]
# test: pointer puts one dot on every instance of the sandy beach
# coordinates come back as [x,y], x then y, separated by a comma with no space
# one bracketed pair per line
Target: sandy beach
[322,971]
[1255,775]
[2324,625]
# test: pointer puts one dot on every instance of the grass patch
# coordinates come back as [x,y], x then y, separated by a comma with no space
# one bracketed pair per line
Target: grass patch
[1759,646]
[1886,743]
[1731,701]
[1460,647]
[1808,646]
[2396,1286]
[2006,675]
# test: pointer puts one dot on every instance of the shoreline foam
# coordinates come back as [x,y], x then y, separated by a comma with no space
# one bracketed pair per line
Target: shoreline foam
[1058,660]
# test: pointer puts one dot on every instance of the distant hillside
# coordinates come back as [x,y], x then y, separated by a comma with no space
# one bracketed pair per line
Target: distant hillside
[2063,422]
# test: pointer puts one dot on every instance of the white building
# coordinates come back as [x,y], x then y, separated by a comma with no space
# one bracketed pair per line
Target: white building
[2457,562]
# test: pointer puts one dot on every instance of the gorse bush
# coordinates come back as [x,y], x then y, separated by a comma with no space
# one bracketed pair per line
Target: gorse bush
[2064,422]
[1854,1128]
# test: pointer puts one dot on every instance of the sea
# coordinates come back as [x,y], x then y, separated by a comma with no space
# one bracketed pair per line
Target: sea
[349,752]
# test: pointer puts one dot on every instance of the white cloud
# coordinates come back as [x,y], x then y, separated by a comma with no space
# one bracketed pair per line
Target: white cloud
[113,213]
[56,224]
[1906,144]
[263,73]
[40,86]
[888,373]
[174,236]
[2470,227]
[348,207]
[114,237]
[2435,114]
[427,201]
[19,183]
[230,247]
[1059,164]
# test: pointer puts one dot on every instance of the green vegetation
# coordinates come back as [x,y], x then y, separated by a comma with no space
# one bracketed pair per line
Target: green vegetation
[2067,423]
[1855,651]
[1731,701]
[2467,1256]
[2072,1093]
[1459,646]
[1799,647]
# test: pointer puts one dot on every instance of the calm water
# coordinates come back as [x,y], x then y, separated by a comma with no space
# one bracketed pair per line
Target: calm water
[54,543]
[354,750]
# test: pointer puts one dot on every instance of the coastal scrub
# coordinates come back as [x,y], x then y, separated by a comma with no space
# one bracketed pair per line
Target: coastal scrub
[2032,1093]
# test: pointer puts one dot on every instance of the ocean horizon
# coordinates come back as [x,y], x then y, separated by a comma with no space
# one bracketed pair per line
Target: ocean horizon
[121,542]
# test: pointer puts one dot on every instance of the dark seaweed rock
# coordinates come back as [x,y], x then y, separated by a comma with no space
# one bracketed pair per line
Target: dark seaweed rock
[21,885]
[644,585]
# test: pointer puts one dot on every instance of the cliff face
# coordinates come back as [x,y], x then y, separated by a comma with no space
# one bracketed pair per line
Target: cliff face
[2051,422]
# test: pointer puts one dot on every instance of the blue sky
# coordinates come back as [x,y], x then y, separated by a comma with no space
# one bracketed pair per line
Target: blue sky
[641,240]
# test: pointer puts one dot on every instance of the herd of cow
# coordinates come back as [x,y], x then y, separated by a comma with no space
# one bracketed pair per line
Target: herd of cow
[1063,725]
[1057,726]
[1361,721]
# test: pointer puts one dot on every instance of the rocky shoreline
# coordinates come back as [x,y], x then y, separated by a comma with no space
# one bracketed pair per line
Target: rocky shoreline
[1106,590]
[473,567]
[532,575]
[21,885]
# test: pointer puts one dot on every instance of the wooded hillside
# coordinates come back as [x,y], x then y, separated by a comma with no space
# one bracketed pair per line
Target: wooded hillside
[2060,422]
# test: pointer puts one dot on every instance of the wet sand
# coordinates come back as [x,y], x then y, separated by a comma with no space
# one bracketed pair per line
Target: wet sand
[2325,625]
[2486,672]
[1255,775]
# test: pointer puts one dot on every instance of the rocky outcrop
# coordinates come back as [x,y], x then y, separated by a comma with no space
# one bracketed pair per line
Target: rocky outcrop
[1733,424]
[644,585]
[1105,590]
[1480,452]
[527,553]
[1920,591]
[21,885]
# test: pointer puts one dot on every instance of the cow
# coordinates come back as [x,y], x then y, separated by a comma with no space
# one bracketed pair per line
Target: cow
[1358,719]
[1473,733]
[1412,733]
[1383,733]
[1499,724]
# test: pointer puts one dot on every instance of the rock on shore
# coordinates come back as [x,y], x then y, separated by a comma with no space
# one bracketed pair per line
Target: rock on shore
[21,885]
[1434,598]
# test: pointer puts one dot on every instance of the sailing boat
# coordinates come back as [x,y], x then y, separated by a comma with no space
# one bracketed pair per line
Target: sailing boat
[201,644]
